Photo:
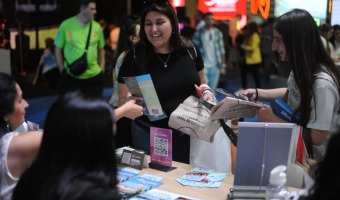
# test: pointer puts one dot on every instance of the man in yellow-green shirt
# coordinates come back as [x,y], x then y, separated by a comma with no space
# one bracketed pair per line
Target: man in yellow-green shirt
[70,45]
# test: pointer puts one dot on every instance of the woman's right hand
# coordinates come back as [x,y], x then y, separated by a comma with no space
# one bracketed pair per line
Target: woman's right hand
[129,97]
[250,93]
[132,110]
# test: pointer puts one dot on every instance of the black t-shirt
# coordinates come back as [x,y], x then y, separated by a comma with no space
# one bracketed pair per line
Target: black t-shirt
[173,84]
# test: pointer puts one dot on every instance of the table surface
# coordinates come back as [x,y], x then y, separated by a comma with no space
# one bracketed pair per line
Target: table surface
[171,185]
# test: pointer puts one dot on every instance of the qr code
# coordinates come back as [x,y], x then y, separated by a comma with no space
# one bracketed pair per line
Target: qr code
[161,146]
[155,111]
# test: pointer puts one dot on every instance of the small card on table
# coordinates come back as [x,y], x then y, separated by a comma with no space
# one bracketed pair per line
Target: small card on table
[133,159]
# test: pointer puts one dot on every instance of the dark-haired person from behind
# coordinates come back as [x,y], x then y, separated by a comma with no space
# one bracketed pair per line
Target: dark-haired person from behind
[76,159]
[327,176]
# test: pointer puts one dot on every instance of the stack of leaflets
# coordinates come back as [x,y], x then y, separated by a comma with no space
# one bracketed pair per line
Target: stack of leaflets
[200,177]
[138,185]
[125,174]
[157,194]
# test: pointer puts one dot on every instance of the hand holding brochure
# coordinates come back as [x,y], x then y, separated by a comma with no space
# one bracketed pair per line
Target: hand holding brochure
[282,110]
[142,86]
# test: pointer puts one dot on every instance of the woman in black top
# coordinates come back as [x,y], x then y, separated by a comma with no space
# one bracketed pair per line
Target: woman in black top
[174,66]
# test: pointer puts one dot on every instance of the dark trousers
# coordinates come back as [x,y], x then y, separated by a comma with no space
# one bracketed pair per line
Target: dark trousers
[123,133]
[254,69]
[93,86]
[52,77]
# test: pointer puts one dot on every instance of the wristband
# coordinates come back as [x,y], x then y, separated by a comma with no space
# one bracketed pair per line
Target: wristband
[205,89]
[257,94]
[206,92]
[203,86]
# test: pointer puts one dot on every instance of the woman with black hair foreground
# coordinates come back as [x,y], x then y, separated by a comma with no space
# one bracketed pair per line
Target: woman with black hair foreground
[76,159]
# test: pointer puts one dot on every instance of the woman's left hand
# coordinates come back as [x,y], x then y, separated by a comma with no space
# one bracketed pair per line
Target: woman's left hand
[209,97]
[266,114]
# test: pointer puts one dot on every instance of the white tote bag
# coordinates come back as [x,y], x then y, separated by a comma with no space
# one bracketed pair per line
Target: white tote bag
[215,155]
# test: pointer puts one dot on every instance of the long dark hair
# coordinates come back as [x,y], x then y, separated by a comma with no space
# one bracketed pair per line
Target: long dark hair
[127,29]
[327,175]
[305,55]
[77,143]
[144,47]
[252,28]
[8,93]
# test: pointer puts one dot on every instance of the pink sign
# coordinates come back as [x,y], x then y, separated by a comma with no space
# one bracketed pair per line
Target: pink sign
[161,146]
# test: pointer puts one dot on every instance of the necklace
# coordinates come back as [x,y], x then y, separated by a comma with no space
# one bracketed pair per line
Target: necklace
[166,62]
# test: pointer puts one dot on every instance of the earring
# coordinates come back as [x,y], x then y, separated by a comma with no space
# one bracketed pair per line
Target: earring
[8,128]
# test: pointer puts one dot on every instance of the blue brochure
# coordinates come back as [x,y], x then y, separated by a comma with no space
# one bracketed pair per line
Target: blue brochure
[137,186]
[281,109]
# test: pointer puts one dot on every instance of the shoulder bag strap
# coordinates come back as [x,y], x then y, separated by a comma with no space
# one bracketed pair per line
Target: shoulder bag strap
[87,43]
[88,38]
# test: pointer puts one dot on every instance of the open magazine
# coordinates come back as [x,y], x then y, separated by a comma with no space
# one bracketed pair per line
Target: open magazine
[198,118]
[232,106]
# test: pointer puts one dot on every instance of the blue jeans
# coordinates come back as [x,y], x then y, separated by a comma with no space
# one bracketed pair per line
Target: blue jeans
[140,138]
[212,75]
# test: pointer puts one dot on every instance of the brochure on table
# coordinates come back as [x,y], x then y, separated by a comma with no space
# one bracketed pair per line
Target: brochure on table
[124,174]
[138,185]
[157,194]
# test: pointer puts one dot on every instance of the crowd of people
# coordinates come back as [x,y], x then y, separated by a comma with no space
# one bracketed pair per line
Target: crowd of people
[44,164]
